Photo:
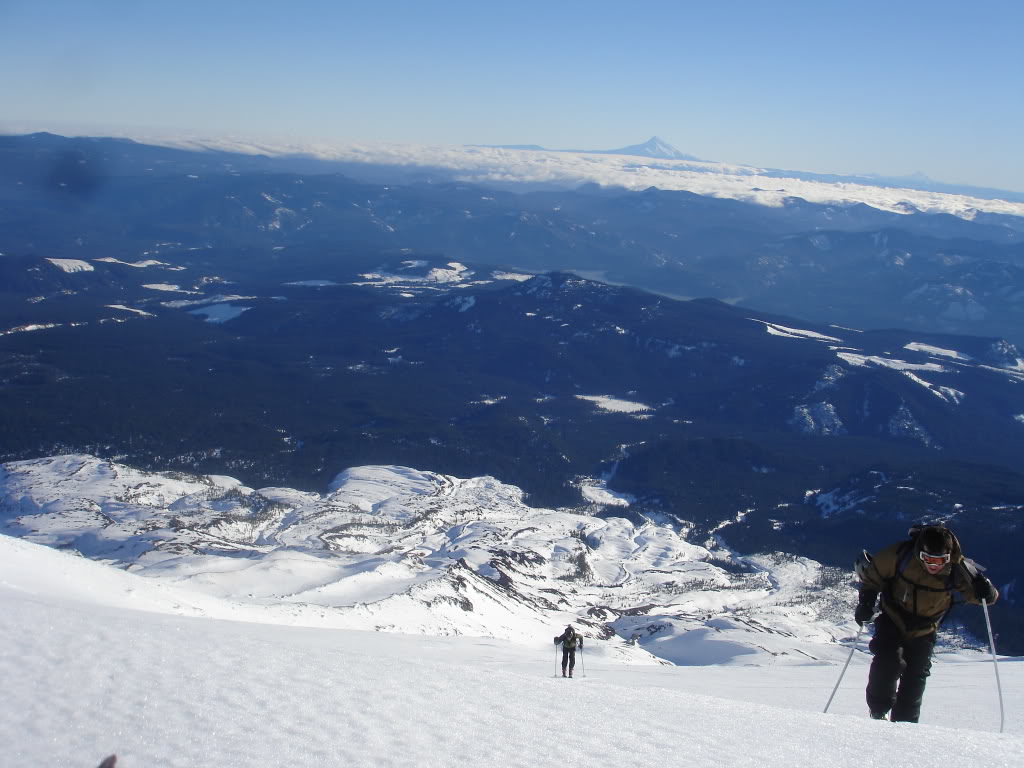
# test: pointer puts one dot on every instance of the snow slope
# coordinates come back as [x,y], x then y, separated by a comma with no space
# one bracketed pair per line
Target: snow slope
[96,660]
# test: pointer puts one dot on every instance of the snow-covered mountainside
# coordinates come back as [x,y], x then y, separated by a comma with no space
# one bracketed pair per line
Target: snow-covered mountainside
[97,661]
[395,549]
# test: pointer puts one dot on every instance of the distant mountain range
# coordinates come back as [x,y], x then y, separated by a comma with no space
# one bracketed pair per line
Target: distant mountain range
[216,313]
[316,362]
[850,264]
[530,167]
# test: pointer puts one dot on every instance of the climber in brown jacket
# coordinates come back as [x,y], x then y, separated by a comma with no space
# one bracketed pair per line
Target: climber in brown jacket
[916,580]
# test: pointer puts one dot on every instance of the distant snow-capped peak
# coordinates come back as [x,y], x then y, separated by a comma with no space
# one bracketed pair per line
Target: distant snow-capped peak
[653,147]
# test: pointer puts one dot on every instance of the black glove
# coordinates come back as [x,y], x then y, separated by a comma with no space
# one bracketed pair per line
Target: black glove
[866,607]
[556,641]
[983,589]
[864,613]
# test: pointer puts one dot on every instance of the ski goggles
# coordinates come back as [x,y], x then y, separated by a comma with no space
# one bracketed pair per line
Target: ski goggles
[929,559]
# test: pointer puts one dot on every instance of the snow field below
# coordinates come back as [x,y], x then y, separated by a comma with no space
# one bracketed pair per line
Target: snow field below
[397,549]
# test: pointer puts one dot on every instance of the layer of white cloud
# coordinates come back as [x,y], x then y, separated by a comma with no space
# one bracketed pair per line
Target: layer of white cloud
[569,169]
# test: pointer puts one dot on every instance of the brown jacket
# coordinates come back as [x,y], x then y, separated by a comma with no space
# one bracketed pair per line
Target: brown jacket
[915,600]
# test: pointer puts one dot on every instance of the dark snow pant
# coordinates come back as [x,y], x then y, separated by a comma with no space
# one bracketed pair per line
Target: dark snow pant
[898,661]
[568,659]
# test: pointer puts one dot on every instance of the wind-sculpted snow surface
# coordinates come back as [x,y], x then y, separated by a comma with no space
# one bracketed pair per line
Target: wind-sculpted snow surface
[396,549]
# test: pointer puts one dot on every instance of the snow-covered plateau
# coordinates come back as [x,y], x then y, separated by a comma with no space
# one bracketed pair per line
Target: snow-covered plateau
[395,549]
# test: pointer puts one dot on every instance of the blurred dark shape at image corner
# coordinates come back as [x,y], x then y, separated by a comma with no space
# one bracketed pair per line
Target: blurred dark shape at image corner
[77,175]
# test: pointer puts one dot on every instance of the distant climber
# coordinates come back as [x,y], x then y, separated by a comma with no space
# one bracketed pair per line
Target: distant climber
[570,640]
[916,579]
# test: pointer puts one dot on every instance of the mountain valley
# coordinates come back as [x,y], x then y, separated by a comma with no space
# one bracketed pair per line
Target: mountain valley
[280,328]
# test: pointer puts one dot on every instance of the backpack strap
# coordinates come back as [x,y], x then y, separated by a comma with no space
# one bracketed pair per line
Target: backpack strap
[904,553]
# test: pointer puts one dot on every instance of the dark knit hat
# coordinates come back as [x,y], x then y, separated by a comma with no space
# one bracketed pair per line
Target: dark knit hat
[935,540]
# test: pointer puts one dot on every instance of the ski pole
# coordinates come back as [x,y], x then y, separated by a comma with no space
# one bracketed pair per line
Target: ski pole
[848,658]
[995,664]
[556,660]
[583,667]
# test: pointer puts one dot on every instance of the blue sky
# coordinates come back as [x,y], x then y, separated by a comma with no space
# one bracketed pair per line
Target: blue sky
[886,87]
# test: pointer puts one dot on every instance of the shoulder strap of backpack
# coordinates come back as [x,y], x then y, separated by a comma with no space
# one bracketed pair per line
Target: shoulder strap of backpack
[903,555]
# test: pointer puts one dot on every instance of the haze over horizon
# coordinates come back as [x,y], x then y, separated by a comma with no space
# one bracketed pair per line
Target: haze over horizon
[893,91]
